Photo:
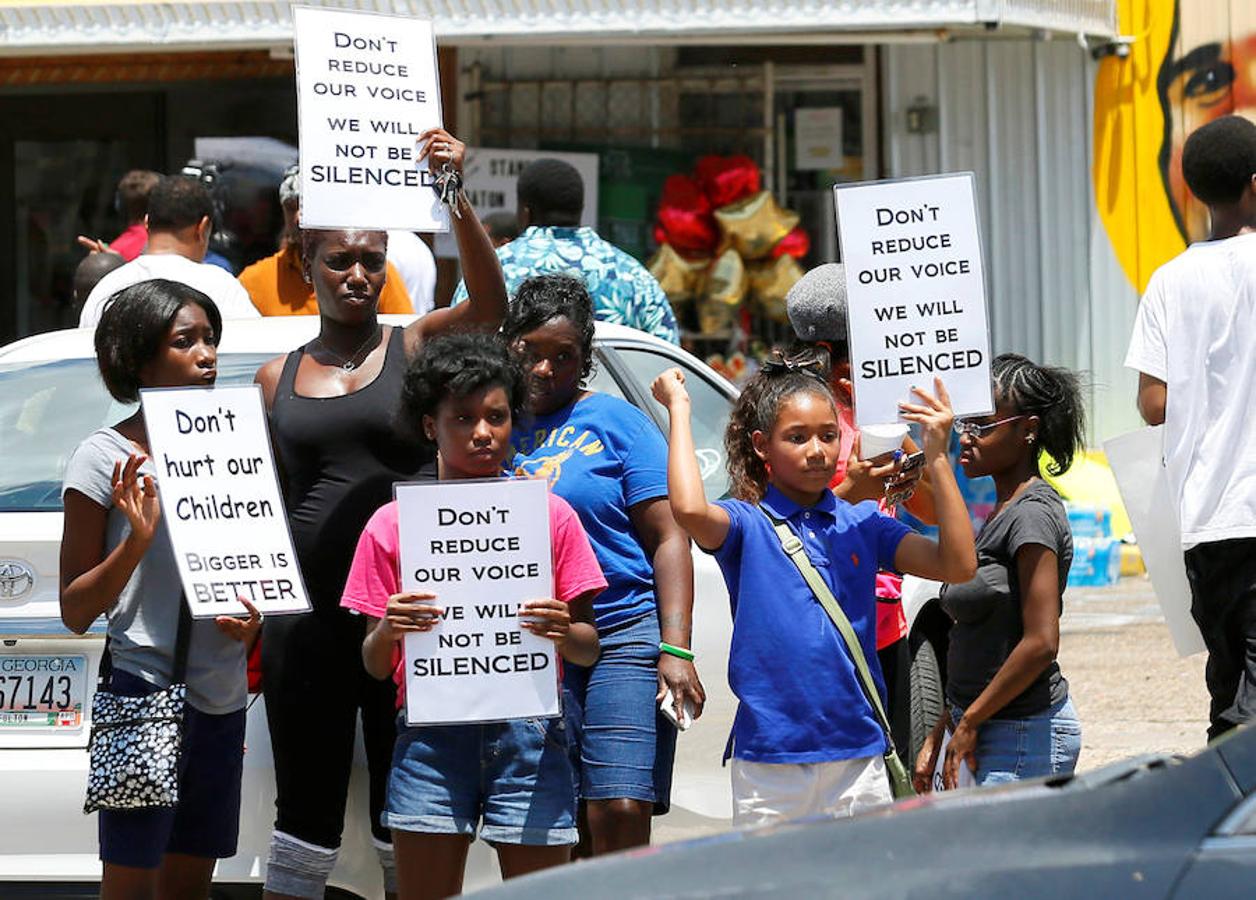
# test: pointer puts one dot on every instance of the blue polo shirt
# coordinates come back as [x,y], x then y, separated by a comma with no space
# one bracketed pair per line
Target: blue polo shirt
[602,455]
[801,701]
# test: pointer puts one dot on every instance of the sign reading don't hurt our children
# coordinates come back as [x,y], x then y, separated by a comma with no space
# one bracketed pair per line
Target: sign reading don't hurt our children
[483,548]
[367,88]
[220,500]
[916,293]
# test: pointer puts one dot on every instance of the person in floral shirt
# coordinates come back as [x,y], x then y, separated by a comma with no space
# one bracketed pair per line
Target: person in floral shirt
[551,200]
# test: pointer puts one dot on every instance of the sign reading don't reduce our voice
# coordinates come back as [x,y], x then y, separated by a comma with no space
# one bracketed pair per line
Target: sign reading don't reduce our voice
[916,293]
[220,500]
[367,88]
[483,548]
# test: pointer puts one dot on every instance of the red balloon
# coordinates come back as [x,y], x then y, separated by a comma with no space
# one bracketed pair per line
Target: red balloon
[727,179]
[795,244]
[685,219]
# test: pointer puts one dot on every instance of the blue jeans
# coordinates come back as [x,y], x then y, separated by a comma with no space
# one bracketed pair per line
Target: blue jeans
[625,747]
[511,781]
[1015,749]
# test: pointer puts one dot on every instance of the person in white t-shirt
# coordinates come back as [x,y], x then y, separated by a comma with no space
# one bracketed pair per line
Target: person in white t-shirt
[180,220]
[1194,347]
[417,267]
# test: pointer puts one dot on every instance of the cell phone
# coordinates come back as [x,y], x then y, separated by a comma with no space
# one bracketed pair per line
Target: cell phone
[667,706]
[913,462]
[895,491]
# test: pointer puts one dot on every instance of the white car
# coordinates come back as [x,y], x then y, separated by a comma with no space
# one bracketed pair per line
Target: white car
[51,397]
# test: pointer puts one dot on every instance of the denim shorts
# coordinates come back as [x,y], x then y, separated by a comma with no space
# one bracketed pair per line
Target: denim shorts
[1048,743]
[626,748]
[511,780]
[206,823]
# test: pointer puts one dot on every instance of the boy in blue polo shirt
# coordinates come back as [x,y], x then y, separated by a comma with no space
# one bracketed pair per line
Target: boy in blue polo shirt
[806,739]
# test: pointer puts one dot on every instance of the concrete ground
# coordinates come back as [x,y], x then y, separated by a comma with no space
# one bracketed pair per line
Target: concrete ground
[1133,693]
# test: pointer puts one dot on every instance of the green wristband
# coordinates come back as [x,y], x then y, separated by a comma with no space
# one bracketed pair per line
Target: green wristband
[678,652]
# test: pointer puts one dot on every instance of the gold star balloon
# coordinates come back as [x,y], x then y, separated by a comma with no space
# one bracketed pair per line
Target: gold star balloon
[680,278]
[771,281]
[754,225]
[726,280]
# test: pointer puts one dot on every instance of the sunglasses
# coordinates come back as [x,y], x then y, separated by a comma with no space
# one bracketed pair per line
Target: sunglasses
[973,429]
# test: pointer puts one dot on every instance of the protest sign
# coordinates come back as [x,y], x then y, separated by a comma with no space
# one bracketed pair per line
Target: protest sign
[220,500]
[483,548]
[367,87]
[916,293]
[1137,461]
[491,177]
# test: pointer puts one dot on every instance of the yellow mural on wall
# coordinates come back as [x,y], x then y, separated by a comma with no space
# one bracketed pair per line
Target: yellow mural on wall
[1191,62]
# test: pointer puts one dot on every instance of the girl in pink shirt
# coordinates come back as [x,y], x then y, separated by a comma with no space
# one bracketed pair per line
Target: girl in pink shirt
[512,781]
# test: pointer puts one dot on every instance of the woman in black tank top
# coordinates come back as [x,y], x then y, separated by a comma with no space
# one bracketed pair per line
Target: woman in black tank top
[333,409]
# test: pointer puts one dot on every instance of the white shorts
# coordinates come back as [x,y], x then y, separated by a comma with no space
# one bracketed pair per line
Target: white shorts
[765,793]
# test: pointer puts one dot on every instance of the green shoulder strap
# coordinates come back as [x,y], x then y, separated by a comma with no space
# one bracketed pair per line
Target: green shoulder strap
[794,549]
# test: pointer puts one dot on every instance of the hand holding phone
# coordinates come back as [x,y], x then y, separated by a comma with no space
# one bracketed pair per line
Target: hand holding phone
[667,706]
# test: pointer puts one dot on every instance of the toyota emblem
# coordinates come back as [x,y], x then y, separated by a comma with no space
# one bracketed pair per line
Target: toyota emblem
[16,579]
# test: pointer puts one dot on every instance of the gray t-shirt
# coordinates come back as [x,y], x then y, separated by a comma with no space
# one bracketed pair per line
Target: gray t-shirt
[987,610]
[144,623]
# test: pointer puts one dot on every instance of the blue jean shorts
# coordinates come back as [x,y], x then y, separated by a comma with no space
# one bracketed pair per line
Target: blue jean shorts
[206,823]
[626,748]
[1048,743]
[511,780]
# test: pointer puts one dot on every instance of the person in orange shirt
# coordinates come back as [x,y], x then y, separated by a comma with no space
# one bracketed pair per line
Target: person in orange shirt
[278,285]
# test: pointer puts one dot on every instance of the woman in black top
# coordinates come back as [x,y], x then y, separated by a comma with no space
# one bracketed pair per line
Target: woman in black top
[333,409]
[1010,710]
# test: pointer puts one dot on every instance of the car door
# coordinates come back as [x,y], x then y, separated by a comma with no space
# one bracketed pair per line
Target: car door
[700,798]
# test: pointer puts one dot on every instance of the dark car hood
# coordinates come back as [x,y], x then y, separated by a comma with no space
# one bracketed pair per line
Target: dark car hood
[1123,831]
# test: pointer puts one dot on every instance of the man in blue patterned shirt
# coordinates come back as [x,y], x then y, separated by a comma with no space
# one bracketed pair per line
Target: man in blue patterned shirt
[551,200]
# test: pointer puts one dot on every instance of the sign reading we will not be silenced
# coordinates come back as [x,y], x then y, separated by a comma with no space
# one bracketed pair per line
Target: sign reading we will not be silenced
[916,293]
[220,500]
[367,87]
[483,548]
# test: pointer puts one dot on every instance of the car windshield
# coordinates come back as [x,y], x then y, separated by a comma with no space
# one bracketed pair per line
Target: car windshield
[47,408]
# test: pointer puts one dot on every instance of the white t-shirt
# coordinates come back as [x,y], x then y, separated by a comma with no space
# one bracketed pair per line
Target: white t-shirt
[1196,332]
[410,255]
[219,284]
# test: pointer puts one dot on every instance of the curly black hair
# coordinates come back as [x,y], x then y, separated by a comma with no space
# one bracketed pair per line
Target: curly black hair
[1053,395]
[543,298]
[456,365]
[133,327]
[756,410]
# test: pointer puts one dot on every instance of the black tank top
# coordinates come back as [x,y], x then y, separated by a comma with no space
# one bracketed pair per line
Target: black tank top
[341,456]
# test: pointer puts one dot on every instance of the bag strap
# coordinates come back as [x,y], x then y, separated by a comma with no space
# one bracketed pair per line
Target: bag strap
[182,641]
[794,549]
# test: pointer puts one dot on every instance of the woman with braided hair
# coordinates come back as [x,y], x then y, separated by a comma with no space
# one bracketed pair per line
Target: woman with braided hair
[1010,714]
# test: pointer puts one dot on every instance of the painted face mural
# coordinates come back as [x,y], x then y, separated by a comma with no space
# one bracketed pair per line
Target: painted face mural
[1209,72]
[1192,61]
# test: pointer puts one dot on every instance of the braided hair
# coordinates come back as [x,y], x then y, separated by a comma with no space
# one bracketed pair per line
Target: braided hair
[757,409]
[1052,394]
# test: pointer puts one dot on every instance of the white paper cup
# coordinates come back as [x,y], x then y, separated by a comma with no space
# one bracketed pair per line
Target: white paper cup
[875,440]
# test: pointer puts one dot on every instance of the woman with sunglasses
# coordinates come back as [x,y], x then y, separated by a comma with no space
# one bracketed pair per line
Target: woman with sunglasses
[1010,715]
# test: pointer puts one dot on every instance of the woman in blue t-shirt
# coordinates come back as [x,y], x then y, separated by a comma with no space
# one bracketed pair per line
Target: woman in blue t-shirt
[609,461]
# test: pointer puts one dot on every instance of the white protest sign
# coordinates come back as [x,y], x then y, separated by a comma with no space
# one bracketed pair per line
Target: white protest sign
[220,500]
[367,87]
[1137,461]
[483,548]
[491,177]
[916,293]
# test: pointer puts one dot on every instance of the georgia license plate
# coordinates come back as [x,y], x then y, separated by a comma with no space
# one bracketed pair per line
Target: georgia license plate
[42,691]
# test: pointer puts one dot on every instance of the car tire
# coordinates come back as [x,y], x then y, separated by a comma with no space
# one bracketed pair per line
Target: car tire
[927,698]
